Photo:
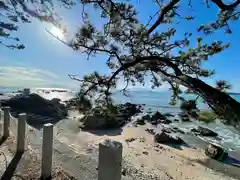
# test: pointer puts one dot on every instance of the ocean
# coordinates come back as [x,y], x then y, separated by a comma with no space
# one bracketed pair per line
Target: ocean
[229,137]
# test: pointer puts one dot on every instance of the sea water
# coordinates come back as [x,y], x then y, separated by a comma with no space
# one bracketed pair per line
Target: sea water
[154,101]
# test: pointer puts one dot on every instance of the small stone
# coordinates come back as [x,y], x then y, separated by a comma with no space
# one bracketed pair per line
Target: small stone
[130,140]
[145,152]
[124,172]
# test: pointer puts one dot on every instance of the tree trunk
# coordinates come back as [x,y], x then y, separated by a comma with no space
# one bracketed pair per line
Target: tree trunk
[222,104]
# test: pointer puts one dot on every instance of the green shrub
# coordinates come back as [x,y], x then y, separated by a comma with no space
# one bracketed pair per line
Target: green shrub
[207,116]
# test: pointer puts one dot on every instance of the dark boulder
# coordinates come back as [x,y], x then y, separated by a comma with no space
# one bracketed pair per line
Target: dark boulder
[202,131]
[35,104]
[178,130]
[128,110]
[188,106]
[147,117]
[166,138]
[151,131]
[216,152]
[165,121]
[56,101]
[99,121]
[168,115]
[158,116]
[140,121]
[184,117]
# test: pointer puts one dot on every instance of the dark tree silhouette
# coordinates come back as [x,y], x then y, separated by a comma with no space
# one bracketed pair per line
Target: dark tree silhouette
[135,51]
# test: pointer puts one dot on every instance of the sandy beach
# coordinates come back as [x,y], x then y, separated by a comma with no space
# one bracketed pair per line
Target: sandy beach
[147,157]
[143,158]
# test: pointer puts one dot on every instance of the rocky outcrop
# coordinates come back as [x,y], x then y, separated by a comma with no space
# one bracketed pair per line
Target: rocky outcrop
[128,110]
[215,151]
[35,104]
[100,120]
[188,106]
[202,131]
[184,117]
[157,116]
[167,138]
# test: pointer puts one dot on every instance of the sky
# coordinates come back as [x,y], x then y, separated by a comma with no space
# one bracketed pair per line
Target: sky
[46,62]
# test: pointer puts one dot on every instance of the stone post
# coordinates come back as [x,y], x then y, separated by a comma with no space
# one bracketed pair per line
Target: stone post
[6,122]
[21,131]
[110,160]
[47,150]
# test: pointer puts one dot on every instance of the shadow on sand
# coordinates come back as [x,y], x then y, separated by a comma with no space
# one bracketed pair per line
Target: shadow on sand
[229,167]
[108,132]
[2,140]
[9,172]
[179,146]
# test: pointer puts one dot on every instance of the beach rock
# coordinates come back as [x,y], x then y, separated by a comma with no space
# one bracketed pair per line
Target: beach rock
[56,100]
[35,104]
[184,117]
[140,121]
[194,114]
[147,117]
[216,152]
[166,138]
[99,121]
[176,129]
[188,106]
[168,115]
[130,140]
[158,116]
[93,122]
[129,109]
[150,131]
[202,131]
[165,121]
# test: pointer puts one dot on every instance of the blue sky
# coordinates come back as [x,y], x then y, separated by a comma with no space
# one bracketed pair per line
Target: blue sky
[46,62]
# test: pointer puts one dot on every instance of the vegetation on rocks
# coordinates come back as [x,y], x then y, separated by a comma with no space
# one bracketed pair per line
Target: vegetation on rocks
[207,116]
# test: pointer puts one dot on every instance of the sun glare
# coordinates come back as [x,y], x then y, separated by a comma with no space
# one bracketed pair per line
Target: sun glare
[57,32]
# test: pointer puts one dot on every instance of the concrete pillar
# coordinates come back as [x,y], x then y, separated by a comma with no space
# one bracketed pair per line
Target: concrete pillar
[47,150]
[110,160]
[6,122]
[21,131]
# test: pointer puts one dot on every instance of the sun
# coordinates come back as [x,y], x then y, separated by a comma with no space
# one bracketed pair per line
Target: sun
[57,32]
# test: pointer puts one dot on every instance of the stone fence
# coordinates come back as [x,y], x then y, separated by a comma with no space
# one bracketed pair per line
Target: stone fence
[110,152]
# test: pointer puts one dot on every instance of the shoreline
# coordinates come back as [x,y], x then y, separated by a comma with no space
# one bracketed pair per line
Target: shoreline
[162,161]
[141,156]
[140,151]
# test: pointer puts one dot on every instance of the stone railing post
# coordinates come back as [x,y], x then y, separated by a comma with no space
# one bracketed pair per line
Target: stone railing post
[21,131]
[6,122]
[47,151]
[110,160]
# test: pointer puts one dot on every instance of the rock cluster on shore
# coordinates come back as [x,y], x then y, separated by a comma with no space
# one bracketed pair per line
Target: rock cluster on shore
[101,120]
[35,104]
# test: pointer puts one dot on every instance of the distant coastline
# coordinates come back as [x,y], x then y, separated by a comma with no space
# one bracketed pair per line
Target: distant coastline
[233,93]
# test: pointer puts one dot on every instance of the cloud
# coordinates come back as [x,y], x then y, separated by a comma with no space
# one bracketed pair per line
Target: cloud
[18,76]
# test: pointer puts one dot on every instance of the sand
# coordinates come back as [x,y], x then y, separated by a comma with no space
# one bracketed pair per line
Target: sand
[140,151]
